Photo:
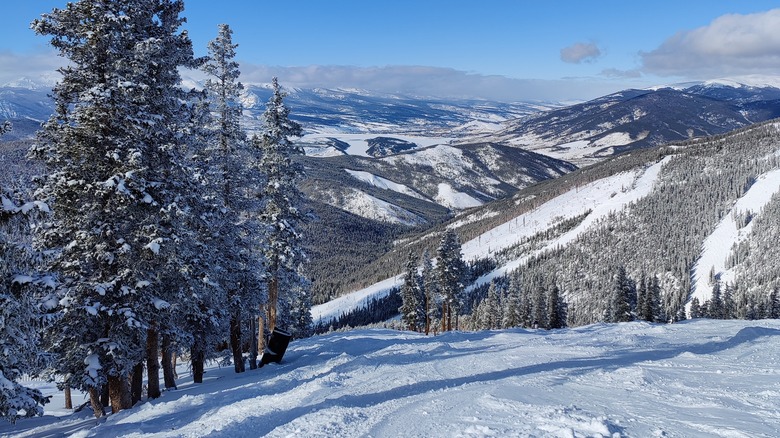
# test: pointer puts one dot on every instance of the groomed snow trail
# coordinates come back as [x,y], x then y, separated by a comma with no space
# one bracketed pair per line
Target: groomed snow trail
[700,378]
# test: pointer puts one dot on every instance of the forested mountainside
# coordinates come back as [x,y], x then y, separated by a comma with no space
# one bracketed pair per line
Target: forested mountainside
[649,213]
[424,186]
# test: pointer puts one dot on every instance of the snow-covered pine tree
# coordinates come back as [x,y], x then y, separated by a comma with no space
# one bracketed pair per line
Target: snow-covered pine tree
[450,270]
[5,127]
[652,304]
[431,292]
[280,214]
[715,303]
[511,307]
[410,295]
[115,178]
[240,268]
[539,306]
[695,311]
[556,309]
[773,305]
[622,290]
[302,323]
[641,297]
[493,314]
[729,306]
[20,316]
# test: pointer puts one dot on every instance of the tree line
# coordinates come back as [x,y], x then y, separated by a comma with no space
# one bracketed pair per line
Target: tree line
[158,226]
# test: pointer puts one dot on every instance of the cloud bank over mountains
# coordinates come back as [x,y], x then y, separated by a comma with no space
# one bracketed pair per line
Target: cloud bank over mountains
[730,44]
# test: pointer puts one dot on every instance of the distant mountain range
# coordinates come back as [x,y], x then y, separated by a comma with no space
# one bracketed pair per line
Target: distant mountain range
[591,131]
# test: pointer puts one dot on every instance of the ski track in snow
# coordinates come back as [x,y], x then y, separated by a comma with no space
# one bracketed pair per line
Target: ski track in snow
[700,378]
[717,246]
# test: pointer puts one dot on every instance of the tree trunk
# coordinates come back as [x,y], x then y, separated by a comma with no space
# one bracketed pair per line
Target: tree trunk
[168,362]
[444,316]
[68,398]
[94,401]
[174,356]
[152,361]
[253,344]
[137,383]
[449,317]
[197,359]
[105,400]
[261,332]
[427,316]
[119,393]
[235,341]
[273,300]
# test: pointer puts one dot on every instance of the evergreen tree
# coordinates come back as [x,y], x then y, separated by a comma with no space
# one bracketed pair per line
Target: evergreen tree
[510,308]
[556,309]
[492,308]
[114,150]
[622,291]
[774,304]
[715,303]
[5,127]
[410,296]
[280,214]
[651,305]
[431,292]
[450,270]
[241,269]
[302,325]
[729,306]
[20,316]
[696,310]
[641,297]
[539,306]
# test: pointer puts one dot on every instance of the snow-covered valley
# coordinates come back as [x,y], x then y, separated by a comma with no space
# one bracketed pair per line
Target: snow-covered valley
[700,378]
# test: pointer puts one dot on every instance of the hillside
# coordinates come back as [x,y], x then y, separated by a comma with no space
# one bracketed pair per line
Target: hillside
[591,131]
[695,379]
[668,212]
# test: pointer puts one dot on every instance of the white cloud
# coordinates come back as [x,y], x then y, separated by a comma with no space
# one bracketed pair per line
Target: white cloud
[580,52]
[410,80]
[731,44]
[430,81]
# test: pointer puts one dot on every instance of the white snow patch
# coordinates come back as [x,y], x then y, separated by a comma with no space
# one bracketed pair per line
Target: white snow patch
[365,205]
[613,139]
[154,245]
[717,246]
[382,183]
[451,198]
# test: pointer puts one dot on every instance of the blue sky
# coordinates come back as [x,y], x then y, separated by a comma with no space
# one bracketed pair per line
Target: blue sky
[515,50]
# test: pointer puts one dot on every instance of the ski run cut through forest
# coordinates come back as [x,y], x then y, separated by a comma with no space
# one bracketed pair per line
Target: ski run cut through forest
[701,378]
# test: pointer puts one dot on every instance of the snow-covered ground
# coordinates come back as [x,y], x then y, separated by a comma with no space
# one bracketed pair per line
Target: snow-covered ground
[383,183]
[699,378]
